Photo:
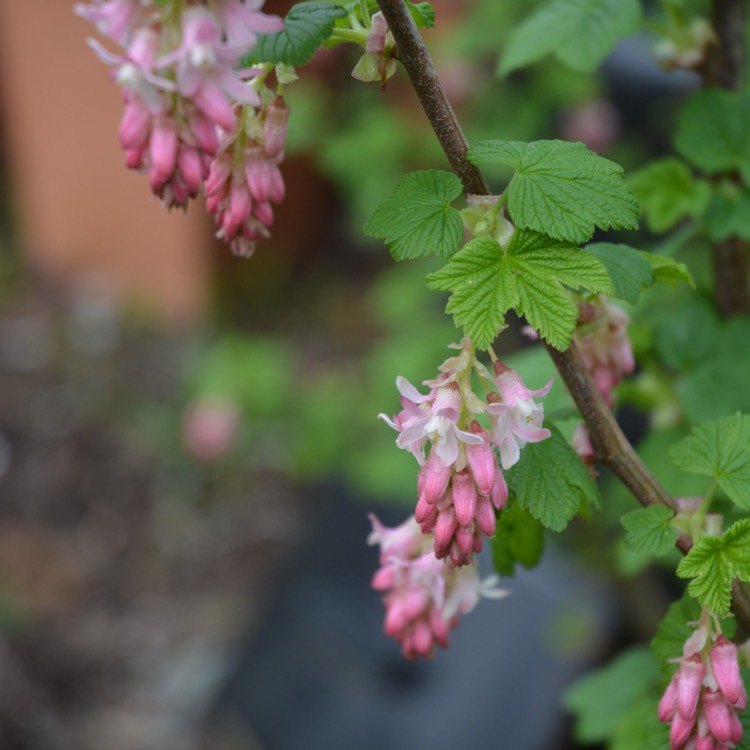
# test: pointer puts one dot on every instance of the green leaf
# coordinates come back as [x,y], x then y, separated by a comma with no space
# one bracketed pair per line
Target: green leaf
[519,538]
[649,530]
[667,270]
[580,33]
[306,27]
[714,562]
[562,189]
[600,701]
[674,630]
[729,214]
[551,482]
[487,281]
[721,450]
[712,131]
[668,192]
[418,220]
[483,289]
[630,272]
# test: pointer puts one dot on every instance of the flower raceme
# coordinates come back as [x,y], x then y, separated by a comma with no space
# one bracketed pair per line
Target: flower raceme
[460,484]
[423,596]
[705,694]
[192,120]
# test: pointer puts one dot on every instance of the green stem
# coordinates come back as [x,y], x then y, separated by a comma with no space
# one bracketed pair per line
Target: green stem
[357,36]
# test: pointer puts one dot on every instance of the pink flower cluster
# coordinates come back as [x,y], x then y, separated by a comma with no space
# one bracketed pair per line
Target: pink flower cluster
[187,106]
[602,338]
[460,484]
[705,695]
[423,597]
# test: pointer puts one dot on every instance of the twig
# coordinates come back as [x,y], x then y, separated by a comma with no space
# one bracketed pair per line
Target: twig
[722,68]
[613,448]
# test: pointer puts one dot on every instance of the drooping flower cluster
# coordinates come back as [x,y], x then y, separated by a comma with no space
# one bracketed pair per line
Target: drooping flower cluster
[423,596]
[602,338]
[188,106]
[705,694]
[428,569]
[460,484]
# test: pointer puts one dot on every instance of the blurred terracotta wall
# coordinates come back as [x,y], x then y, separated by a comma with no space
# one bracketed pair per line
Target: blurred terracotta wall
[80,213]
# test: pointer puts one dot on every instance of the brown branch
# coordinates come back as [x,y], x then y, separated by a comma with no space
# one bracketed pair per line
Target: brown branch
[723,67]
[613,448]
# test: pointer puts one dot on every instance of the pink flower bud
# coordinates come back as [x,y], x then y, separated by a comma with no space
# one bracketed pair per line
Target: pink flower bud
[134,125]
[426,513]
[204,132]
[163,149]
[668,703]
[213,103]
[445,527]
[465,541]
[680,731]
[718,715]
[433,478]
[482,460]
[384,579]
[485,516]
[726,668]
[464,497]
[275,128]
[705,743]
[689,678]
[736,731]
[264,213]
[191,168]
[499,493]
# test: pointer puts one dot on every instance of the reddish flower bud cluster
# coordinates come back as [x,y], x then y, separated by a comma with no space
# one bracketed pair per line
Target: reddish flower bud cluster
[460,484]
[704,696]
[184,97]
[424,597]
[602,338]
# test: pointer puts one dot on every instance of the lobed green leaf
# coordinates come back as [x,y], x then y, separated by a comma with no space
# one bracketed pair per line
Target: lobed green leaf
[306,27]
[551,482]
[714,562]
[418,220]
[721,450]
[649,530]
[519,539]
[628,269]
[580,33]
[667,270]
[487,281]
[561,189]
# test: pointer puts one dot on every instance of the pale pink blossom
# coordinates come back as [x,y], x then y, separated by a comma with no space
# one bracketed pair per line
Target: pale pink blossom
[516,417]
[423,596]
[432,417]
[602,338]
[114,18]
[209,428]
[242,21]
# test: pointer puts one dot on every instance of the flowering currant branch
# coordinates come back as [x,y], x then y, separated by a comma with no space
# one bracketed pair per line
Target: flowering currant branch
[612,447]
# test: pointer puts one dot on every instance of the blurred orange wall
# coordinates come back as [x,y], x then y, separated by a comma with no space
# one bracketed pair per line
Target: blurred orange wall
[80,212]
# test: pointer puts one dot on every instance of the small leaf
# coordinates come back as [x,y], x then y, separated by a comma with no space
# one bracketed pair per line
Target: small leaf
[649,530]
[487,281]
[519,538]
[551,482]
[630,272]
[721,450]
[668,192]
[483,289]
[667,270]
[712,131]
[561,189]
[306,27]
[580,33]
[674,630]
[418,220]
[714,562]
[600,701]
